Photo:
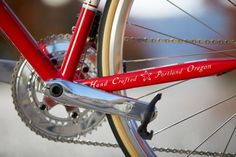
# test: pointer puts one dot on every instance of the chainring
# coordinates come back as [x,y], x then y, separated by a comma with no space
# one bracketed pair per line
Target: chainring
[41,114]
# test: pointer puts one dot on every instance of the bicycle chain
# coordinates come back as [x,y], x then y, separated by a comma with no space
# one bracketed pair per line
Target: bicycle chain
[178,41]
[156,149]
[173,39]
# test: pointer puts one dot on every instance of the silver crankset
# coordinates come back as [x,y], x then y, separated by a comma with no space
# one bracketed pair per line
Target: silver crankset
[50,119]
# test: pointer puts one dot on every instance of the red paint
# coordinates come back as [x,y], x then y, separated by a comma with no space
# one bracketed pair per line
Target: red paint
[43,48]
[159,75]
[76,47]
[90,5]
[25,43]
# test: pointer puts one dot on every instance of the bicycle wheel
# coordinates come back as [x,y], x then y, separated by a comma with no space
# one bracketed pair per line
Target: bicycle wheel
[183,107]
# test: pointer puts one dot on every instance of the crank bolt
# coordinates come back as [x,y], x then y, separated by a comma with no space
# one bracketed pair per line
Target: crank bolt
[56,90]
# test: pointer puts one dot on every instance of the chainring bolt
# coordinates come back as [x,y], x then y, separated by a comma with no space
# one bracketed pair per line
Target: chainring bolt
[43,107]
[85,69]
[74,115]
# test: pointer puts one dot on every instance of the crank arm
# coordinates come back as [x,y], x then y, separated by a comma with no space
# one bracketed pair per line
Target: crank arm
[78,95]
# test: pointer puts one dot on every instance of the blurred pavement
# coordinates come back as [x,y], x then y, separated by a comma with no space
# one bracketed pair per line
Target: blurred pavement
[16,140]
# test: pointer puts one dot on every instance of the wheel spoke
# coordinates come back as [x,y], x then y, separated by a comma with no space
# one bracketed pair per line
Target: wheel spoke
[220,52]
[162,89]
[199,21]
[171,36]
[195,18]
[233,3]
[207,138]
[193,115]
[228,141]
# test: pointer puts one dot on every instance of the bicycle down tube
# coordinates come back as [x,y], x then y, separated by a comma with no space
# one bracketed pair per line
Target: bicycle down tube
[35,54]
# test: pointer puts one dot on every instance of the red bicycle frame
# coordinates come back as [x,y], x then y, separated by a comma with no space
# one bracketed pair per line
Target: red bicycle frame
[163,74]
[36,56]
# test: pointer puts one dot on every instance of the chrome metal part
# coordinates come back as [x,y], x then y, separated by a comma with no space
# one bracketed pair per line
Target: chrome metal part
[78,95]
[47,118]
[119,26]
[115,66]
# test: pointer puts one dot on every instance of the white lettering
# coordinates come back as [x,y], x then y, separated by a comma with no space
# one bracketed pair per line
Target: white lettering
[169,73]
[115,80]
[96,84]
[93,84]
[199,69]
[123,81]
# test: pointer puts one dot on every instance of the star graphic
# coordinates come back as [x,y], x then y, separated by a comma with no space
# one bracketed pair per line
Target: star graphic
[146,76]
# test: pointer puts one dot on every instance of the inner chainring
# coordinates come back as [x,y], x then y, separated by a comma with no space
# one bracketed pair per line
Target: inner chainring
[52,120]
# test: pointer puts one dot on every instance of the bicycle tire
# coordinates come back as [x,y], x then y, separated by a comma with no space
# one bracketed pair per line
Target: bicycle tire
[101,73]
[128,147]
